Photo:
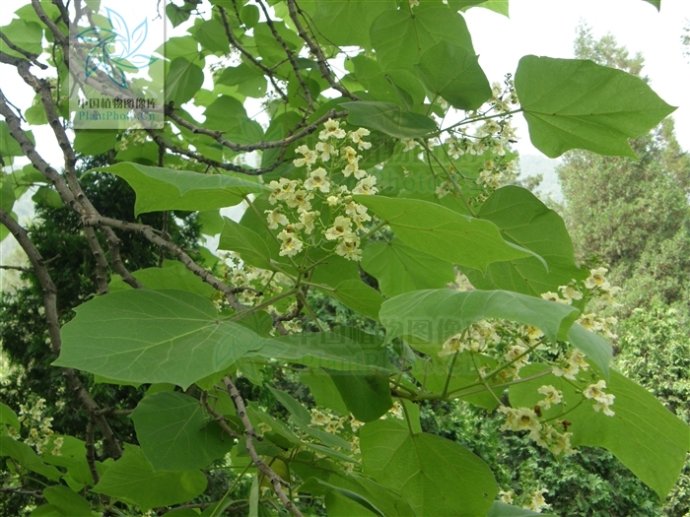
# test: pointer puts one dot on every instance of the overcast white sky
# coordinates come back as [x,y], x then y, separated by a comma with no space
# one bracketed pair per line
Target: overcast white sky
[541,27]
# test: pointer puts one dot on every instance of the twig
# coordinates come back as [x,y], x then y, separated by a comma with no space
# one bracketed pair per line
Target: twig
[290,55]
[16,268]
[271,144]
[316,51]
[276,481]
[235,43]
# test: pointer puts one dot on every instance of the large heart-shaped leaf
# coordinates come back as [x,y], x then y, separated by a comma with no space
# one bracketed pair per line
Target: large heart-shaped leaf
[433,315]
[577,104]
[655,441]
[132,479]
[399,268]
[175,433]
[526,221]
[444,233]
[434,475]
[145,336]
[401,36]
[159,188]
[454,73]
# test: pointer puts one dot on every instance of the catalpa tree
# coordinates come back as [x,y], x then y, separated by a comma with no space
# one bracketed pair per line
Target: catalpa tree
[376,178]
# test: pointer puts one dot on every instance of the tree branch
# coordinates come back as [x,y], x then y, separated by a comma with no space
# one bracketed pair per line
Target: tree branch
[276,481]
[316,50]
[50,305]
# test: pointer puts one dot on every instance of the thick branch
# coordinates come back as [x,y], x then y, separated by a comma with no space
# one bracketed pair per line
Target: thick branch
[259,146]
[50,305]
[152,235]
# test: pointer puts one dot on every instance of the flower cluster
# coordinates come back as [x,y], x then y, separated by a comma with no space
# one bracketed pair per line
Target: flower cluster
[542,433]
[40,427]
[321,208]
[571,366]
[476,338]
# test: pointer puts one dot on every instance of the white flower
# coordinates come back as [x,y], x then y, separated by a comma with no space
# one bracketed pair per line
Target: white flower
[520,419]
[290,245]
[366,186]
[341,226]
[597,278]
[327,150]
[356,137]
[537,502]
[331,129]
[318,180]
[308,219]
[552,396]
[309,157]
[348,247]
[570,293]
[275,218]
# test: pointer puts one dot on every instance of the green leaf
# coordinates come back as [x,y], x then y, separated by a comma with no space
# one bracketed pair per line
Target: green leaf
[357,296]
[344,22]
[293,405]
[498,6]
[27,458]
[211,35]
[23,34]
[332,350]
[577,104]
[325,478]
[183,80]
[388,118]
[366,396]
[71,457]
[132,479]
[249,80]
[644,435]
[173,275]
[499,509]
[401,36]
[8,417]
[146,336]
[252,247]
[94,141]
[159,189]
[431,316]
[526,221]
[228,115]
[434,475]
[8,145]
[399,268]
[47,197]
[655,3]
[453,72]
[175,433]
[66,501]
[443,233]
